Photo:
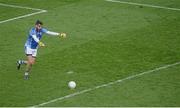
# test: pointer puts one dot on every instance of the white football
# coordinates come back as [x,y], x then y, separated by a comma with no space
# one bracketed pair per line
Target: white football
[72,84]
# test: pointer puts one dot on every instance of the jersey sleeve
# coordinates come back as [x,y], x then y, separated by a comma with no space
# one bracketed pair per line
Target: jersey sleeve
[52,33]
[32,32]
[44,30]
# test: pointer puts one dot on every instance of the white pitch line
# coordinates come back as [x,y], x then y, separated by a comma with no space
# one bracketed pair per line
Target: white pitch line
[23,16]
[70,72]
[146,5]
[108,84]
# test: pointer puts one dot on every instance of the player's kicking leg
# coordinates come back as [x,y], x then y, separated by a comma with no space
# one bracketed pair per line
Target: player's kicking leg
[31,56]
[20,62]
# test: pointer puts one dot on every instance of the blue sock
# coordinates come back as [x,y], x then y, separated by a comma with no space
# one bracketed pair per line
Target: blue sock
[21,62]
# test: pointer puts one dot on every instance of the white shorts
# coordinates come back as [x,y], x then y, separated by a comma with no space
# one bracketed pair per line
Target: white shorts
[30,51]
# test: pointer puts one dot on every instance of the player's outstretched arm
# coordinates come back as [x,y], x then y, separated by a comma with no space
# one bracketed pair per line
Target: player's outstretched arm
[62,35]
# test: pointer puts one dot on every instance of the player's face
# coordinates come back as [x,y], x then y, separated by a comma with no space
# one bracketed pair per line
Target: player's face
[38,26]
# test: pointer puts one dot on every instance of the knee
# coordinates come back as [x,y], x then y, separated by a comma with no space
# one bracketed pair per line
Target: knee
[31,62]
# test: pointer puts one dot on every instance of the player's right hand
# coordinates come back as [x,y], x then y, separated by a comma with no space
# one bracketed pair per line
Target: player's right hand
[41,44]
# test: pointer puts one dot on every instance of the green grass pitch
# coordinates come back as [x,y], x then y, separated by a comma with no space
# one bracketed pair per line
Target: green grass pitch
[106,42]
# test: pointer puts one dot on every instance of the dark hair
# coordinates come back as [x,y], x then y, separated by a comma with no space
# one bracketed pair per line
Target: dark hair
[38,22]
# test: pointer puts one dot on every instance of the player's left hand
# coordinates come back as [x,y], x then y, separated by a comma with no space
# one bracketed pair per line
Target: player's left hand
[62,35]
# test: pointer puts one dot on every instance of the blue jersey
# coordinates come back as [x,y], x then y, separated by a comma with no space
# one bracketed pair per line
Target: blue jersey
[31,43]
